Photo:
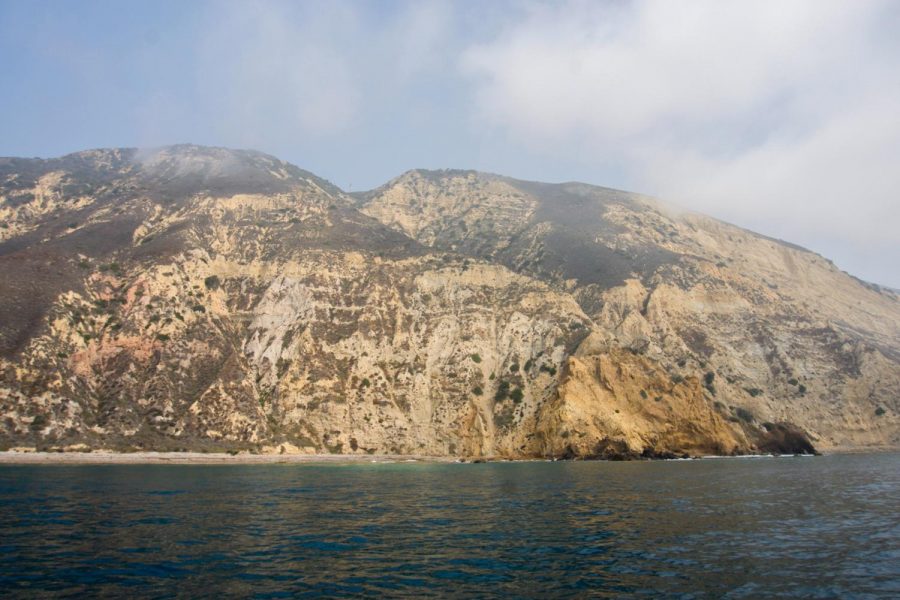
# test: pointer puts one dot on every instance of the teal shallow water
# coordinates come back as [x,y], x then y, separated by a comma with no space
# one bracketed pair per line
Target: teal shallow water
[822,527]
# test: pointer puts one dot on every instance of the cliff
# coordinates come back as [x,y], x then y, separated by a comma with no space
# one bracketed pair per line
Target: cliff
[208,299]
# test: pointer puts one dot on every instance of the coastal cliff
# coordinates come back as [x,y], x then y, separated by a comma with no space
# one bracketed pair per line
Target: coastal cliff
[192,298]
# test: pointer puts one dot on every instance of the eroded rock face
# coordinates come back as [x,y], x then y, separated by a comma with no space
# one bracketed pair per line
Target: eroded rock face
[774,333]
[267,320]
[619,404]
[202,298]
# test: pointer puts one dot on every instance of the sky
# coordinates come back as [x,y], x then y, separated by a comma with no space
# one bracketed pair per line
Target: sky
[779,116]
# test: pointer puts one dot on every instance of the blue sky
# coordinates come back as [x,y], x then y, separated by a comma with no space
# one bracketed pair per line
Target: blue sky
[780,117]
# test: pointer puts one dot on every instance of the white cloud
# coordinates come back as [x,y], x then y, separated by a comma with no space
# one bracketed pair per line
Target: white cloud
[777,115]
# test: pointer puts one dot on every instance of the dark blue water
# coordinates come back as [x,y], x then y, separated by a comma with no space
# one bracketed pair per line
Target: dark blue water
[822,527]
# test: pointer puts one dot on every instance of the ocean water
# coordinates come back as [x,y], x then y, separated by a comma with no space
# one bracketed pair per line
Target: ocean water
[824,527]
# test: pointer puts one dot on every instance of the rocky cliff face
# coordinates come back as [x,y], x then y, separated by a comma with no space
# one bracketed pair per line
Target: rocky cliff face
[716,318]
[204,298]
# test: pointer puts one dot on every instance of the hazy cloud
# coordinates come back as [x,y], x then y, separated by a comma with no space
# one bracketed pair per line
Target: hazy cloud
[274,60]
[776,115]
[311,68]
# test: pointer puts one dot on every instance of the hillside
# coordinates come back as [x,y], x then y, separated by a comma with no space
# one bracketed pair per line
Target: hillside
[776,333]
[208,299]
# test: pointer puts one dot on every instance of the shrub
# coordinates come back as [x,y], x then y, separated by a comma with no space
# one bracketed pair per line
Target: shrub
[516,395]
[753,391]
[113,267]
[548,369]
[708,382]
[879,411]
[476,358]
[39,422]
[643,394]
[514,368]
[792,381]
[801,388]
[199,308]
[743,414]
[211,282]
[504,418]
[477,390]
[528,364]
[281,366]
[502,391]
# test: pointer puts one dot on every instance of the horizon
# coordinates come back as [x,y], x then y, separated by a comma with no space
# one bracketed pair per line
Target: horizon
[775,118]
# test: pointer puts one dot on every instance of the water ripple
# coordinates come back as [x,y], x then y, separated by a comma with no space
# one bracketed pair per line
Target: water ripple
[702,529]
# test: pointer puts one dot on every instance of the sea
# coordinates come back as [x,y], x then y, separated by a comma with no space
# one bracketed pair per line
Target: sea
[789,527]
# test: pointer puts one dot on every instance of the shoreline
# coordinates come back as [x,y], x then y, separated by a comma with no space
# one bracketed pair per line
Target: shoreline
[27,457]
[204,458]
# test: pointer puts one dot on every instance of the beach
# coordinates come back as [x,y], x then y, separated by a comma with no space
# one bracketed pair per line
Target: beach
[203,458]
